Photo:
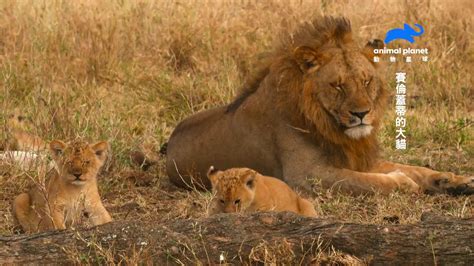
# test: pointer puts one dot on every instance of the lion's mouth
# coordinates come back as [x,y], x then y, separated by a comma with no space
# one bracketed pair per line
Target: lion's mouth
[77,180]
[358,131]
[357,125]
[354,131]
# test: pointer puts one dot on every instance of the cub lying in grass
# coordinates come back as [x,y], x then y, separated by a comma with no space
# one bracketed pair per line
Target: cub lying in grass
[243,189]
[21,148]
[19,138]
[69,193]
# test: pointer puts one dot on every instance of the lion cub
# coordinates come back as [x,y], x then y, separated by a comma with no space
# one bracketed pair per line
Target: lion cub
[243,189]
[70,192]
[19,138]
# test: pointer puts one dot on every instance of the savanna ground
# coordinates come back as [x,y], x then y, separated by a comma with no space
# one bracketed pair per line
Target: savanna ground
[129,71]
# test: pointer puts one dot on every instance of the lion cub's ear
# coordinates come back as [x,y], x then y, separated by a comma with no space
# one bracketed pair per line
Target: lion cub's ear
[101,149]
[249,179]
[213,176]
[368,50]
[57,148]
[307,58]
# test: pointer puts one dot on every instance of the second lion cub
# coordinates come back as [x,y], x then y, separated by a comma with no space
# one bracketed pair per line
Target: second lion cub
[69,193]
[243,189]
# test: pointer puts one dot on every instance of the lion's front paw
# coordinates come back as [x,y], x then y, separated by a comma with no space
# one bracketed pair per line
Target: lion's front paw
[453,184]
[404,182]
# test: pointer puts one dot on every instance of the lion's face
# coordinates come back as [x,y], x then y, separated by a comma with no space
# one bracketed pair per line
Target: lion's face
[78,162]
[234,188]
[346,89]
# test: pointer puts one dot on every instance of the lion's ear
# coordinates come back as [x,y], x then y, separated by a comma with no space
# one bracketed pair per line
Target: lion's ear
[213,176]
[368,50]
[101,149]
[57,148]
[307,58]
[249,178]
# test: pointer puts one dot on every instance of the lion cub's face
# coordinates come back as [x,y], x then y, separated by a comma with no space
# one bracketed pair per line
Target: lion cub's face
[16,120]
[78,162]
[345,85]
[234,188]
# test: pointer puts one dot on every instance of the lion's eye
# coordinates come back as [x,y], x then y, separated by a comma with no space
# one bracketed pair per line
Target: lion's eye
[237,202]
[309,64]
[367,82]
[222,201]
[336,86]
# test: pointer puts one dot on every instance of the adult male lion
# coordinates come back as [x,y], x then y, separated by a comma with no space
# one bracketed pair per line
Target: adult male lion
[313,110]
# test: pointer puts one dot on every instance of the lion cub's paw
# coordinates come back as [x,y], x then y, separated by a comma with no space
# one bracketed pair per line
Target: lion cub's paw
[404,182]
[453,184]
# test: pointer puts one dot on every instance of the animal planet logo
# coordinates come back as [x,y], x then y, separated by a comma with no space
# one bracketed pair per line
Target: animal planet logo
[407,33]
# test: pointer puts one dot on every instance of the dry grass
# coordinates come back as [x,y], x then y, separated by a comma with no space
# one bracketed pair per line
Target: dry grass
[129,71]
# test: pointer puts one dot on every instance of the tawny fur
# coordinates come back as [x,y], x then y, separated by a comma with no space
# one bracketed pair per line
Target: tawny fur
[313,110]
[69,194]
[243,189]
[19,136]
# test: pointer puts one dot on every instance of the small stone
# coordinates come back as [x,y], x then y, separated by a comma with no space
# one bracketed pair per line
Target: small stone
[174,250]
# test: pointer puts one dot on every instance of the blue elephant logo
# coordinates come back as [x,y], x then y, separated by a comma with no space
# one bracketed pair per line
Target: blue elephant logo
[407,33]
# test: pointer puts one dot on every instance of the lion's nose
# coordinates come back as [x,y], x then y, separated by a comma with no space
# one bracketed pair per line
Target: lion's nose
[229,209]
[77,175]
[360,114]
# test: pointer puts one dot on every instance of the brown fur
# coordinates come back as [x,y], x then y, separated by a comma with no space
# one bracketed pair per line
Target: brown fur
[297,92]
[312,110]
[243,189]
[68,194]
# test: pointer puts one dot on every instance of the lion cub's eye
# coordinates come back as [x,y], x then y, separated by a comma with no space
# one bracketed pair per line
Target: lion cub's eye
[237,202]
[222,201]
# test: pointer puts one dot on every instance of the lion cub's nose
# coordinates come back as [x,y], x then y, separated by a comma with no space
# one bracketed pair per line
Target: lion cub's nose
[360,114]
[77,175]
